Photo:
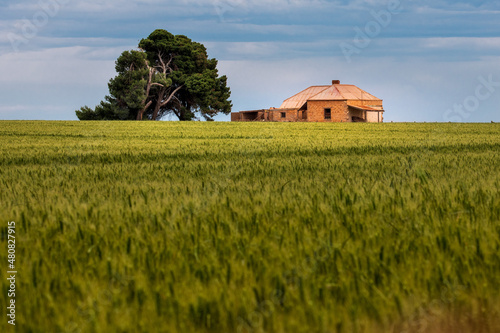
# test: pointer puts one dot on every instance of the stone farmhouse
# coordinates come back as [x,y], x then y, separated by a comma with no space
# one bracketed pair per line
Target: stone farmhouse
[334,103]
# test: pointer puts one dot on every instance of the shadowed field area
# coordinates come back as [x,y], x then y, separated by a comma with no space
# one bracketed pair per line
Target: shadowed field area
[252,227]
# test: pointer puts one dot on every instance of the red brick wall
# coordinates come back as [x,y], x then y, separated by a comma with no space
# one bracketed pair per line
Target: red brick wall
[235,116]
[316,111]
[275,115]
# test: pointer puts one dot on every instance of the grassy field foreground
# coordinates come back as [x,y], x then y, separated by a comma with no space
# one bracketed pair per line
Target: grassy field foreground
[252,227]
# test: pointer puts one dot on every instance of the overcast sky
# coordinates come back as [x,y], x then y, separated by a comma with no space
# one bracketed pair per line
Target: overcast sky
[430,60]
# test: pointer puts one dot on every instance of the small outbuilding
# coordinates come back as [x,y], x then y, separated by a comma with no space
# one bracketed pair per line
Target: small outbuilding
[334,103]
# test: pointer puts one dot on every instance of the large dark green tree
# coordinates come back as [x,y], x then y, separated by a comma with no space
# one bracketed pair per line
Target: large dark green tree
[167,75]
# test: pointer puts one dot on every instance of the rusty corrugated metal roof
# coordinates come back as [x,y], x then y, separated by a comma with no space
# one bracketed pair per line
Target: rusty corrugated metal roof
[327,93]
[353,92]
[330,94]
[298,100]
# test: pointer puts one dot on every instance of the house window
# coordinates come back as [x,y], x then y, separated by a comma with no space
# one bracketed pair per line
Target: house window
[283,114]
[328,113]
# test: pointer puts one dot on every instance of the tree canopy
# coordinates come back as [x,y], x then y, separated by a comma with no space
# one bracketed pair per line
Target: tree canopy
[169,74]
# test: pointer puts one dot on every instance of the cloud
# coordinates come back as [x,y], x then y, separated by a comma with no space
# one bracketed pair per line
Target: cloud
[39,111]
[64,65]
[451,49]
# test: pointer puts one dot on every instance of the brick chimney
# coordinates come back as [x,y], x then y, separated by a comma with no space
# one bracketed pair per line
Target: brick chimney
[335,82]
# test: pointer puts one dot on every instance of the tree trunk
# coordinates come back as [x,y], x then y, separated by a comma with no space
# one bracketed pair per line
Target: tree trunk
[156,111]
[162,101]
[140,114]
[149,83]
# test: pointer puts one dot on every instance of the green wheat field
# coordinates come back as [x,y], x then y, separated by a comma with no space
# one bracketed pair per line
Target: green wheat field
[251,227]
